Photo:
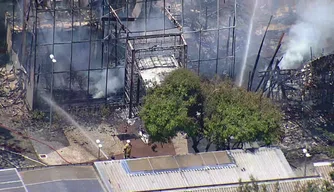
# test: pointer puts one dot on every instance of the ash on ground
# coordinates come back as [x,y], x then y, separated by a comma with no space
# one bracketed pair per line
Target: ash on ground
[16,149]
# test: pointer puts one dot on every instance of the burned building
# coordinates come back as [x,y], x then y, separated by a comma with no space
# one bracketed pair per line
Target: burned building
[109,51]
[306,94]
[312,82]
[149,59]
[319,82]
[68,52]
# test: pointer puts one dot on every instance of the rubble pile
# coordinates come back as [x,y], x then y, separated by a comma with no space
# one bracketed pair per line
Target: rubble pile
[295,137]
[309,120]
[12,92]
[14,115]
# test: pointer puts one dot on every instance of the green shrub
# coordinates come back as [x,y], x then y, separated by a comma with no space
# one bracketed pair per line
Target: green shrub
[105,111]
[37,115]
[331,174]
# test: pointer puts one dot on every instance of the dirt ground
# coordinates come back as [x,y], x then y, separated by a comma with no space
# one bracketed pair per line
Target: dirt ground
[16,150]
[78,145]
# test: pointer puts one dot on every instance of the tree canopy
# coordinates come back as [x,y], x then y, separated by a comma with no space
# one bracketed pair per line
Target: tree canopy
[212,109]
[232,112]
[311,186]
[173,106]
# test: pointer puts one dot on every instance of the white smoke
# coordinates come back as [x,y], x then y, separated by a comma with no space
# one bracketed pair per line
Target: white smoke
[113,85]
[313,29]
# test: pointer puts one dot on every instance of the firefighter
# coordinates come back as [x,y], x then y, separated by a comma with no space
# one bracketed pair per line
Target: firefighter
[127,149]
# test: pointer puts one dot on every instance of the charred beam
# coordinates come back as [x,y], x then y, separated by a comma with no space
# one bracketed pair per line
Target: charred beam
[172,18]
[258,56]
[107,18]
[157,48]
[271,63]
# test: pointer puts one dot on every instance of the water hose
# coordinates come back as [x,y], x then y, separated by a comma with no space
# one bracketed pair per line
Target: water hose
[41,142]
[26,157]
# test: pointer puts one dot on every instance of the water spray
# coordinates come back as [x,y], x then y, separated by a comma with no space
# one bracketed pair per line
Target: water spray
[71,120]
[244,62]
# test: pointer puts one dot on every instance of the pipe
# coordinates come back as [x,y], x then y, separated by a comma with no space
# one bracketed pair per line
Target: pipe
[218,22]
[53,63]
[20,134]
[227,48]
[24,34]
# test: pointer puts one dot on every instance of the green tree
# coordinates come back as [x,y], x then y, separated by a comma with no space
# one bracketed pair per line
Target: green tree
[216,110]
[309,187]
[326,187]
[232,112]
[174,106]
[331,175]
[313,186]
[252,186]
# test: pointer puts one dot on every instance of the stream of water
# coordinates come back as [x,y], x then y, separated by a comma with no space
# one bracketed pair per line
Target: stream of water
[62,112]
[249,37]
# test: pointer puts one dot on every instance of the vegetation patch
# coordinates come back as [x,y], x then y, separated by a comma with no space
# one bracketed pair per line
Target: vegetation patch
[215,110]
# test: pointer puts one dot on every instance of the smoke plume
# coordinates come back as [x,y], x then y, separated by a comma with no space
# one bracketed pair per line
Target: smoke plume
[313,29]
[115,82]
[85,56]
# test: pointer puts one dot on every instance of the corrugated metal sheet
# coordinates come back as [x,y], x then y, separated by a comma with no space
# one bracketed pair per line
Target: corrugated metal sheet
[263,164]
[283,185]
[324,171]
[10,181]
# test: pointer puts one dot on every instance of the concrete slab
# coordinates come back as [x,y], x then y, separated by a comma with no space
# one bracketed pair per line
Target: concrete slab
[111,144]
[74,146]
[180,144]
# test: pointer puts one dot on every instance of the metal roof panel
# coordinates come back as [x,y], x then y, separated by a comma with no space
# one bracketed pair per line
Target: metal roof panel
[263,164]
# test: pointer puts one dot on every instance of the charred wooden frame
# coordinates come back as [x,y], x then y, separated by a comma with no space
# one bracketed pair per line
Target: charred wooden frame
[108,43]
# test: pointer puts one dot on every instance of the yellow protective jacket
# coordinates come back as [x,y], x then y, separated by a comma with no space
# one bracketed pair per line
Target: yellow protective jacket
[127,148]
